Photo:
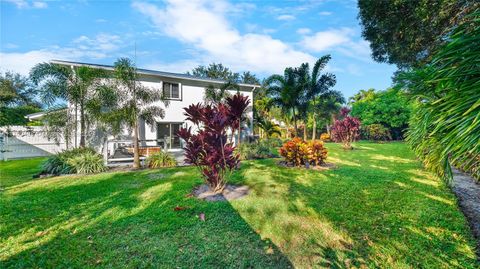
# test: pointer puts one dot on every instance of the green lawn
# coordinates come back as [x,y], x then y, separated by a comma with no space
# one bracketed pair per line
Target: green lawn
[379,208]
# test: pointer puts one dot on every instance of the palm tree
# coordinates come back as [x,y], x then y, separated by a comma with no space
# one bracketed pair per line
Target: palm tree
[328,105]
[135,101]
[268,127]
[73,85]
[286,93]
[216,96]
[317,87]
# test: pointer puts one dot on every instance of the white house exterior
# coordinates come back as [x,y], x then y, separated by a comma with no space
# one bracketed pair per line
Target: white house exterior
[182,90]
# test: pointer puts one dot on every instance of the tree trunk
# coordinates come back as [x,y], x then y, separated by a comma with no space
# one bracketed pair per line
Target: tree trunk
[305,131]
[136,154]
[314,131]
[76,125]
[82,125]
[295,124]
[239,131]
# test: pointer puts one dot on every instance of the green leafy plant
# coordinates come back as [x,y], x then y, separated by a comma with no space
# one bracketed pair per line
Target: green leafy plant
[161,159]
[87,162]
[56,165]
[273,142]
[79,161]
[262,149]
[376,132]
[445,126]
[390,108]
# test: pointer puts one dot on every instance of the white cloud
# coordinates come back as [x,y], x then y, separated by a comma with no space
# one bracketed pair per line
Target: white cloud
[359,50]
[22,62]
[19,3]
[39,5]
[303,31]
[324,40]
[285,17]
[98,47]
[100,43]
[325,13]
[344,40]
[25,4]
[203,25]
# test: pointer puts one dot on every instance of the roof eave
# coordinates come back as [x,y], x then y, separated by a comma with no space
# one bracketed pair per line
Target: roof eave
[154,73]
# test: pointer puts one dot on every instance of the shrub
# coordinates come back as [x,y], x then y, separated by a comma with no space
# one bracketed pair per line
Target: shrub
[325,137]
[79,160]
[346,130]
[376,132]
[87,163]
[161,159]
[318,153]
[259,150]
[56,165]
[245,151]
[208,148]
[297,152]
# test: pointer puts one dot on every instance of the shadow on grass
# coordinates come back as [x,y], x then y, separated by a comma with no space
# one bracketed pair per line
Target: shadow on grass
[127,220]
[389,211]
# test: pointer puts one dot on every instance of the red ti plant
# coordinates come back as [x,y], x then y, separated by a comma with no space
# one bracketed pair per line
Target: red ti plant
[237,104]
[208,148]
[346,130]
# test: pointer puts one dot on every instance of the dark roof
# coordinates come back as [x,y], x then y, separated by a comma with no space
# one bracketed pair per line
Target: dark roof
[155,73]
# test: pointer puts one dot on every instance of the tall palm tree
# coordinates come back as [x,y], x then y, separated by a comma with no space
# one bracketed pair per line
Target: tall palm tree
[135,101]
[286,93]
[317,87]
[73,85]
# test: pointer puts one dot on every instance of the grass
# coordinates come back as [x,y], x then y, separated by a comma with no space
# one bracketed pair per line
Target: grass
[379,208]
[16,172]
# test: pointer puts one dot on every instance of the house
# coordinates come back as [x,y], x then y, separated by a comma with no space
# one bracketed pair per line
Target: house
[181,90]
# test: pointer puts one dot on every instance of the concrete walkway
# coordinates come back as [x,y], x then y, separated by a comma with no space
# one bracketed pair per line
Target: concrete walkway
[467,190]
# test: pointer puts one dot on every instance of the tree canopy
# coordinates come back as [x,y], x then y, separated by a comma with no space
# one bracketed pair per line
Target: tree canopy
[406,32]
[219,71]
[390,108]
[17,99]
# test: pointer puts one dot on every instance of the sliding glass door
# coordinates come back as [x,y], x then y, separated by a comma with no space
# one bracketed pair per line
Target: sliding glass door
[167,134]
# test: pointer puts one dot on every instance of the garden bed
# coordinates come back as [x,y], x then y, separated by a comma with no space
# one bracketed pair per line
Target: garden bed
[229,193]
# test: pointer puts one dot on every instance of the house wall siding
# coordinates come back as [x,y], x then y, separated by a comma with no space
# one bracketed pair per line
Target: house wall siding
[174,110]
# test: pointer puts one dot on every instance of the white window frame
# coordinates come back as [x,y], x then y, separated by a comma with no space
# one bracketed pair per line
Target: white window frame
[180,90]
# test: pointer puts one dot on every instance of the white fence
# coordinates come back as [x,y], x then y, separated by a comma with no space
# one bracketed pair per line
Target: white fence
[18,142]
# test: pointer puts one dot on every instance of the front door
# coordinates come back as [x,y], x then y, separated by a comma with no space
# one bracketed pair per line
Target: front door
[167,135]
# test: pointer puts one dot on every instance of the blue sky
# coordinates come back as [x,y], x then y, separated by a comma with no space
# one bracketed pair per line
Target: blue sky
[263,37]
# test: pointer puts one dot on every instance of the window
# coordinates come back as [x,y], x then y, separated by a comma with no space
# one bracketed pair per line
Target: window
[171,90]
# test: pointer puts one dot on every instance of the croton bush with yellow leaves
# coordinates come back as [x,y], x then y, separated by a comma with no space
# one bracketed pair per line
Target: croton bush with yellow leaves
[298,152]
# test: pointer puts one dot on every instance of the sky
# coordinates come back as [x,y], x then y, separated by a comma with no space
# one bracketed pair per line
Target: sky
[263,37]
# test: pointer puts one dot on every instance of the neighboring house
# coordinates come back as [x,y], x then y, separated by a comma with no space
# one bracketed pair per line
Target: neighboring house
[180,90]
